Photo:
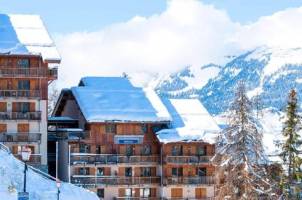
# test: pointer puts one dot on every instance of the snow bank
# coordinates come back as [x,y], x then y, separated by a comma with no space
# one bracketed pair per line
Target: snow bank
[38,186]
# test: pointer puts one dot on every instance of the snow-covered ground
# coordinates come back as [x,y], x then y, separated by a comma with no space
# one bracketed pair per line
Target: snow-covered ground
[38,186]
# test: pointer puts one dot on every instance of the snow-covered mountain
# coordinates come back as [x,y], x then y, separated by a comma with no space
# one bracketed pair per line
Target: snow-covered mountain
[39,185]
[269,73]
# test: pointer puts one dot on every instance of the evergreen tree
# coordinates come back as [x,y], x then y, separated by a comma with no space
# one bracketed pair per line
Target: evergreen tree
[290,147]
[240,156]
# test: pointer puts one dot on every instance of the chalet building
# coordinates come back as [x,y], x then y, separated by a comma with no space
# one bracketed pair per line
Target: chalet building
[135,145]
[28,63]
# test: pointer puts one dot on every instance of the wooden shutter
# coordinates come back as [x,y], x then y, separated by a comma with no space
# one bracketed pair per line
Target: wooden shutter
[107,171]
[15,107]
[3,106]
[3,128]
[121,192]
[32,107]
[23,128]
[153,171]
[153,192]
[121,171]
[200,193]
[176,192]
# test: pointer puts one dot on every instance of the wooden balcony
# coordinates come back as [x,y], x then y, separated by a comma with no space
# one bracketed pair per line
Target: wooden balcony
[20,115]
[188,159]
[94,181]
[32,72]
[20,93]
[35,159]
[84,158]
[20,137]
[195,180]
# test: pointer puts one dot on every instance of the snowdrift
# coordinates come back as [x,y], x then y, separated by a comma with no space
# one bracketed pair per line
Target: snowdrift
[39,186]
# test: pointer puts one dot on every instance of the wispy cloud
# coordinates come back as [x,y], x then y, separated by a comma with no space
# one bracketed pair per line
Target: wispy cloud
[188,32]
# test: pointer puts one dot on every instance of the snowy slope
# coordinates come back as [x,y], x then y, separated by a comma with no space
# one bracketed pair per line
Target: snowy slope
[188,81]
[269,73]
[38,186]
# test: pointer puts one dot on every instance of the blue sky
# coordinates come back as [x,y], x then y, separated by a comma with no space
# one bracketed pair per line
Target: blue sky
[90,15]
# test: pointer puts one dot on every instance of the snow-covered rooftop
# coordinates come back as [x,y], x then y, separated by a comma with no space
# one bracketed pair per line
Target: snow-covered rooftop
[190,121]
[26,35]
[116,99]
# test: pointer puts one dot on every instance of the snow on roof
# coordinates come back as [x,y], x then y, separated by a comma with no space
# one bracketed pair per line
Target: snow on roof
[26,35]
[190,121]
[116,99]
[107,83]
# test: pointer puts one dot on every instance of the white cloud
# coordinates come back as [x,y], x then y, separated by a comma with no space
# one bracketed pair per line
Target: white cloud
[188,32]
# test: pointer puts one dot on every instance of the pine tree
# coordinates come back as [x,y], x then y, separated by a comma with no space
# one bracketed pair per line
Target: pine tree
[290,147]
[240,158]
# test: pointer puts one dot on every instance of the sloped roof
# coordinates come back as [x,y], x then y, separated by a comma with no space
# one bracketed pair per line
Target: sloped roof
[190,121]
[26,35]
[116,99]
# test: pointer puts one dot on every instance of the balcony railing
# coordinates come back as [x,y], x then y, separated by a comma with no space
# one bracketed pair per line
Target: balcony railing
[188,159]
[20,93]
[20,115]
[199,180]
[35,159]
[137,198]
[158,198]
[93,181]
[202,198]
[20,137]
[79,158]
[32,72]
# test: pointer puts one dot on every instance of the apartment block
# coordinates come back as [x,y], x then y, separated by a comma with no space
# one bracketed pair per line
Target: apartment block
[136,145]
[27,66]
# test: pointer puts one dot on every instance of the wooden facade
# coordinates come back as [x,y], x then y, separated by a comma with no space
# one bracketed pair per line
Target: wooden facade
[24,83]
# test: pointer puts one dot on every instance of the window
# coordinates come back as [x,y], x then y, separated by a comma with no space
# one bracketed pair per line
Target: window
[23,63]
[128,171]
[177,171]
[23,107]
[98,149]
[84,148]
[100,171]
[129,150]
[128,192]
[201,171]
[84,171]
[146,150]
[144,128]
[202,150]
[146,171]
[177,150]
[110,128]
[101,192]
[145,192]
[24,85]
